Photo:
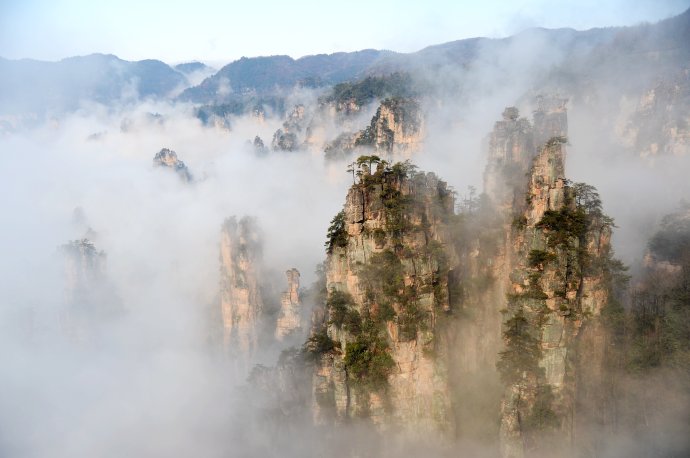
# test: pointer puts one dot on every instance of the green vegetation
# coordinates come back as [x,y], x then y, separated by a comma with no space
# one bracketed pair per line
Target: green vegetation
[405,111]
[339,304]
[538,258]
[518,365]
[337,233]
[372,87]
[384,272]
[672,241]
[564,226]
[521,356]
[240,104]
[381,136]
[341,147]
[542,417]
[558,140]
[318,344]
[397,209]
[367,359]
[659,325]
[407,201]
[379,237]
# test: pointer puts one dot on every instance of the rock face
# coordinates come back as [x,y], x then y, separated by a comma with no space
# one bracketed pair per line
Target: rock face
[290,137]
[556,250]
[168,158]
[395,131]
[380,347]
[513,144]
[289,320]
[439,324]
[241,299]
[660,123]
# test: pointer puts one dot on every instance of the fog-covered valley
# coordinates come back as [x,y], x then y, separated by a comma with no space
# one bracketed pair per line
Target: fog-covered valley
[167,291]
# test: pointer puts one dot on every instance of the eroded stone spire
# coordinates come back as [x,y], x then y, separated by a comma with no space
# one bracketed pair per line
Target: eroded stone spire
[289,320]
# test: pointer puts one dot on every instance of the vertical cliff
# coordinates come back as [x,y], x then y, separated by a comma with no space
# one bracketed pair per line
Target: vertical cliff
[289,319]
[396,130]
[660,124]
[557,246]
[240,295]
[380,347]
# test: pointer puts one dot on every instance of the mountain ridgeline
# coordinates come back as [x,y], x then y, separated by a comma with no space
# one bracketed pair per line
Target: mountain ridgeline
[648,113]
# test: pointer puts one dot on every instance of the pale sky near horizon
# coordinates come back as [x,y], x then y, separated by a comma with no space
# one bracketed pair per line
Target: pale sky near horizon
[218,31]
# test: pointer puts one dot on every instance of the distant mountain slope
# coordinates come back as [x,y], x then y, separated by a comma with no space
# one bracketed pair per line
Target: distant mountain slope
[37,86]
[576,62]
[191,67]
[263,75]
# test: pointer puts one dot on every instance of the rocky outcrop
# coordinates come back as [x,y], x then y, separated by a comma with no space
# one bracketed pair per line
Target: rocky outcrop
[511,148]
[240,296]
[380,348]
[396,130]
[289,319]
[284,141]
[439,324]
[291,136]
[343,146]
[660,123]
[557,248]
[168,158]
[513,144]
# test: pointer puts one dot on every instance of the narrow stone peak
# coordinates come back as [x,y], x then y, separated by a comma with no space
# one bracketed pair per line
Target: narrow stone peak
[241,299]
[380,350]
[168,158]
[515,142]
[289,320]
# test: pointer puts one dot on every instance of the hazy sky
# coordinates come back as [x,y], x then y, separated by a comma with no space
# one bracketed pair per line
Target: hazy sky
[221,30]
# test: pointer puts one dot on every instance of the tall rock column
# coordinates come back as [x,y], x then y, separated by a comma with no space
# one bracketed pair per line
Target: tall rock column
[556,241]
[289,320]
[381,349]
[241,301]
